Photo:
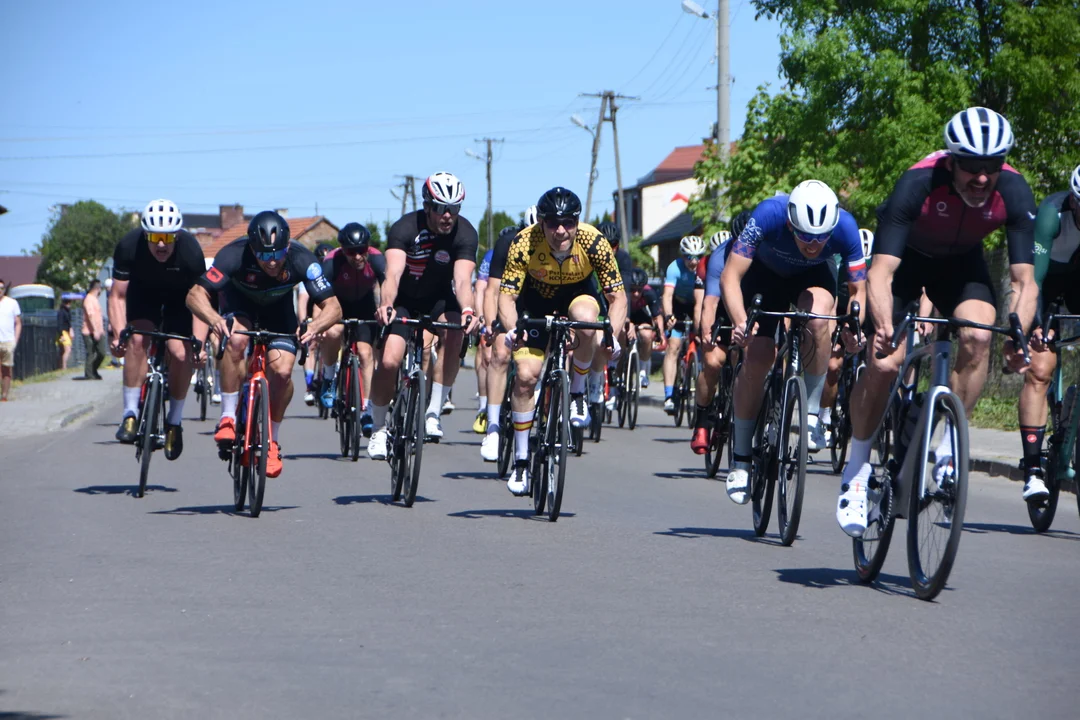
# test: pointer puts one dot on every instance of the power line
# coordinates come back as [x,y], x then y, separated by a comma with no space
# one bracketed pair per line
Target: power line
[656,52]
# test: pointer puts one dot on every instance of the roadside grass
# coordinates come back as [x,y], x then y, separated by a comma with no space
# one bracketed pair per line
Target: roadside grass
[996,413]
[46,377]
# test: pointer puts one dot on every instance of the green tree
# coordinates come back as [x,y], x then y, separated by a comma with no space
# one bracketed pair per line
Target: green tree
[501,221]
[80,238]
[641,256]
[868,87]
[376,234]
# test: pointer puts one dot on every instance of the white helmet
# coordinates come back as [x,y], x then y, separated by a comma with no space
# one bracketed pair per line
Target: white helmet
[867,237]
[692,245]
[718,239]
[443,187]
[531,216]
[161,216]
[813,208]
[1074,183]
[980,132]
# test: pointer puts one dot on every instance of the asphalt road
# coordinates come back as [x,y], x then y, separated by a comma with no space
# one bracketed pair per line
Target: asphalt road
[649,598]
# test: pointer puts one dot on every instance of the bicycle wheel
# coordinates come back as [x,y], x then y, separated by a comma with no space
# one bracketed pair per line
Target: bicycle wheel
[400,460]
[556,436]
[791,459]
[762,476]
[259,450]
[414,438]
[677,394]
[936,511]
[596,421]
[870,550]
[690,387]
[203,389]
[577,439]
[506,437]
[841,430]
[633,389]
[538,451]
[149,426]
[355,407]
[1076,464]
[342,416]
[621,387]
[238,469]
[720,416]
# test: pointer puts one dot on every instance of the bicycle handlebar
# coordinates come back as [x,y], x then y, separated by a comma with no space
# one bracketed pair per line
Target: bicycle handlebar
[550,322]
[126,333]
[1015,330]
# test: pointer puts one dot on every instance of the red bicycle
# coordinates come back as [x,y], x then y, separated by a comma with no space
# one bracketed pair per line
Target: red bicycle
[349,396]
[684,394]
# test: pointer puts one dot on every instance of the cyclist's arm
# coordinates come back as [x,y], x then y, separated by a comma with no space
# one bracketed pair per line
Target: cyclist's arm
[329,312]
[879,291]
[198,302]
[708,316]
[1047,227]
[857,292]
[491,300]
[616,307]
[731,286]
[671,277]
[117,309]
[508,314]
[463,272]
[699,295]
[1025,293]
[1020,240]
[395,266]
[303,301]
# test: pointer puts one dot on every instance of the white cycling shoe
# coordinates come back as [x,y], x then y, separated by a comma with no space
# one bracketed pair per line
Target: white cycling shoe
[815,435]
[489,448]
[433,428]
[738,482]
[376,448]
[579,411]
[1035,488]
[851,506]
[518,483]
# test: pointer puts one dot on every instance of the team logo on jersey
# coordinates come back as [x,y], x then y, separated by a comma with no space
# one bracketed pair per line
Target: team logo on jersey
[314,270]
[344,276]
[941,208]
[442,257]
[284,275]
[250,277]
[214,275]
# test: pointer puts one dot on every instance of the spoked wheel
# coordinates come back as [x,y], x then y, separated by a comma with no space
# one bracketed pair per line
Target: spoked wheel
[841,431]
[870,550]
[596,422]
[203,388]
[556,435]
[633,390]
[677,394]
[621,386]
[538,452]
[1041,512]
[259,450]
[149,425]
[342,416]
[762,470]
[791,456]
[577,438]
[690,387]
[720,417]
[414,439]
[400,458]
[936,511]
[506,438]
[356,407]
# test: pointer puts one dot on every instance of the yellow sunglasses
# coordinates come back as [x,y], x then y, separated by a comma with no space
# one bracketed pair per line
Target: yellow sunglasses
[166,238]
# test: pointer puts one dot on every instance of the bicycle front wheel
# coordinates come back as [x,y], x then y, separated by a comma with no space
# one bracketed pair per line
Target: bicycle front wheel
[400,459]
[791,456]
[678,394]
[342,415]
[414,438]
[720,416]
[259,448]
[936,510]
[633,390]
[841,431]
[762,474]
[150,425]
[204,391]
[506,437]
[690,384]
[1041,512]
[557,436]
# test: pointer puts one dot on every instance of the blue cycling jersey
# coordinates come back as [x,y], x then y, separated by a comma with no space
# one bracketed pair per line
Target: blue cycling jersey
[484,270]
[768,238]
[715,267]
[683,279]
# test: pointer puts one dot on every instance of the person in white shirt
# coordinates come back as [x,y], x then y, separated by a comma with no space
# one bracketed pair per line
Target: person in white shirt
[10,330]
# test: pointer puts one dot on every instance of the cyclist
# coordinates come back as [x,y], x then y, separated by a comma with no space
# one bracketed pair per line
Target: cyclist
[1057,240]
[683,291]
[355,271]
[255,276]
[548,269]
[646,322]
[602,357]
[306,311]
[714,348]
[430,257]
[494,334]
[929,235]
[483,350]
[783,254]
[154,267]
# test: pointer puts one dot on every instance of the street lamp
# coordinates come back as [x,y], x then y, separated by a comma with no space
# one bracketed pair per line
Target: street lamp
[472,154]
[723,76]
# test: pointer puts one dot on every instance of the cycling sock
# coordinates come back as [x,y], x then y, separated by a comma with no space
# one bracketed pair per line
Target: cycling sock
[744,436]
[275,431]
[859,452]
[309,377]
[814,385]
[481,403]
[217,380]
[702,417]
[229,402]
[647,366]
[378,414]
[825,415]
[493,414]
[523,422]
[668,391]
[329,370]
[596,382]
[176,412]
[131,401]
[438,394]
[1032,437]
[577,377]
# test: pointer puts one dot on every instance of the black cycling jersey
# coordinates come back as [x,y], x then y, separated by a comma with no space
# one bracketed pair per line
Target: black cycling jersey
[235,267]
[645,306]
[498,256]
[134,262]
[429,263]
[925,213]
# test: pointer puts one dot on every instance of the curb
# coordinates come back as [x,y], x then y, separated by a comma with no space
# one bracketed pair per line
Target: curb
[64,418]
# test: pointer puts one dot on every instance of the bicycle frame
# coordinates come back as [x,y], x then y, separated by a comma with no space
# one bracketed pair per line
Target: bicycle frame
[1065,466]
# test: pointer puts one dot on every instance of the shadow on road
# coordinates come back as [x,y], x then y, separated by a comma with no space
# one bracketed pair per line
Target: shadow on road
[983,528]
[696,532]
[672,441]
[314,456]
[523,514]
[683,473]
[381,499]
[822,577]
[21,715]
[474,475]
[119,490]
[219,510]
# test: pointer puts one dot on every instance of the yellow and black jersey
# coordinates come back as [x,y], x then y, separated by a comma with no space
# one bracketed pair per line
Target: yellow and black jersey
[531,267]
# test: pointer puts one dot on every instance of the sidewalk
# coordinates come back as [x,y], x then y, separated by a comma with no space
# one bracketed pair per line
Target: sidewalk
[42,407]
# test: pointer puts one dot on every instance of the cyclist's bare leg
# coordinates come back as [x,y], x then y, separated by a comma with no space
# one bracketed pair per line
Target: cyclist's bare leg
[645,337]
[135,357]
[871,393]
[330,346]
[180,368]
[384,380]
[671,359]
[232,362]
[713,360]
[481,360]
[832,377]
[750,384]
[449,362]
[497,370]
[1036,383]
[820,301]
[972,356]
[279,373]
[366,356]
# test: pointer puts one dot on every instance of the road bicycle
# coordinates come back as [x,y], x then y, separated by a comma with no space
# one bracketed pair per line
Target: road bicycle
[405,429]
[549,439]
[780,443]
[840,426]
[248,452]
[684,394]
[506,424]
[722,409]
[204,384]
[348,405]
[1061,454]
[150,422]
[626,384]
[909,480]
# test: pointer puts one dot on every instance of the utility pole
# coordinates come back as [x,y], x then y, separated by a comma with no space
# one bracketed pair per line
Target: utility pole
[608,108]
[486,158]
[408,190]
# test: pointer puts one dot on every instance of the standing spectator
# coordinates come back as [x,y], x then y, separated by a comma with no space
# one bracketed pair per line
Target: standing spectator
[63,326]
[10,330]
[93,331]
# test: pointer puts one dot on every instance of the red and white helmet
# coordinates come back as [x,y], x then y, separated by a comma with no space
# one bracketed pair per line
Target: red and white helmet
[445,188]
[161,216]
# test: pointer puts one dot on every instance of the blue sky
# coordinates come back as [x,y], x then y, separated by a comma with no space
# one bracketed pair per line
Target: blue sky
[276,104]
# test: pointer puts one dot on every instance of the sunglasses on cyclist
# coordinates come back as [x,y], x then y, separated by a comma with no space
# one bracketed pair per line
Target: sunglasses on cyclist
[443,208]
[979,165]
[166,238]
[353,252]
[820,239]
[272,255]
[554,223]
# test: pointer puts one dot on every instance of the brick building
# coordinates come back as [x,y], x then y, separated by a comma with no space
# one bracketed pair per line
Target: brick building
[216,231]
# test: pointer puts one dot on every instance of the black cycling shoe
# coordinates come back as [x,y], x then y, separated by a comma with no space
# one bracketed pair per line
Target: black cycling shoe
[174,441]
[126,432]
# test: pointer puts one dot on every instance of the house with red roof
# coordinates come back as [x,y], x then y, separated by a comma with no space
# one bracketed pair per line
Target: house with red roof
[216,231]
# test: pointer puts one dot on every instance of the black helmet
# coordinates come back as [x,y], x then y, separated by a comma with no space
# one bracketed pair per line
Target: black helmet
[354,236]
[510,230]
[611,231]
[638,278]
[268,232]
[559,202]
[738,223]
[322,249]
